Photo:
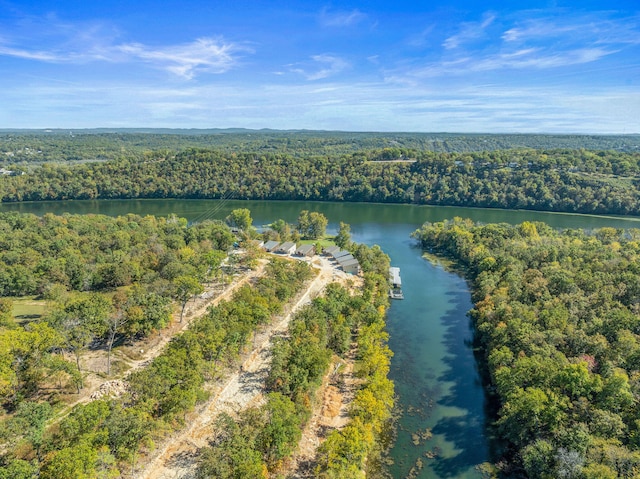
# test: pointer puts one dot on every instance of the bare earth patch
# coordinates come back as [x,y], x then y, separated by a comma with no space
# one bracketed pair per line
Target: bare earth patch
[332,412]
[129,358]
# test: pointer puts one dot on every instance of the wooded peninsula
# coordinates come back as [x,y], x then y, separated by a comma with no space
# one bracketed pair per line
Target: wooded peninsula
[112,283]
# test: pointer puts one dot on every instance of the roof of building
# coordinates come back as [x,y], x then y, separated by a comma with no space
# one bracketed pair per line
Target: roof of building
[305,248]
[286,246]
[331,249]
[269,245]
[394,275]
[340,253]
[345,258]
[351,263]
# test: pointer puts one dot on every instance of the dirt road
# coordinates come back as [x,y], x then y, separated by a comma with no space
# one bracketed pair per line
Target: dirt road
[177,457]
[132,358]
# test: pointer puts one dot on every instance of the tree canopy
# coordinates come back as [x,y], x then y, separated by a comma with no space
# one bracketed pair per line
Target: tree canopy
[551,180]
[557,323]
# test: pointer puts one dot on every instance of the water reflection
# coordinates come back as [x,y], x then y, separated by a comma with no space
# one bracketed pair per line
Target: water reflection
[466,430]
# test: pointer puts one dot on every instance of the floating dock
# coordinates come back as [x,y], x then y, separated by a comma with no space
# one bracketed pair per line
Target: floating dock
[395,291]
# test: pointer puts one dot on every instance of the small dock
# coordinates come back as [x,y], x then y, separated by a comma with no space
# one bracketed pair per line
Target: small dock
[395,291]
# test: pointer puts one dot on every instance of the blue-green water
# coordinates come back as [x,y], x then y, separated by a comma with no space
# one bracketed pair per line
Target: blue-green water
[433,366]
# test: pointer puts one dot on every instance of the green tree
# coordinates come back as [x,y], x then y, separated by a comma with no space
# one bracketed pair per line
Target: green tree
[214,259]
[116,323]
[538,459]
[76,462]
[232,454]
[304,223]
[317,225]
[186,287]
[6,316]
[282,228]
[240,218]
[281,433]
[127,427]
[19,469]
[343,238]
[145,311]
[28,423]
[311,225]
[80,321]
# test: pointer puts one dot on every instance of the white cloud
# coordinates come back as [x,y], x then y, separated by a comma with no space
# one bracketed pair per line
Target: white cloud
[341,18]
[469,31]
[186,60]
[51,40]
[329,65]
[203,55]
[524,59]
[598,27]
[531,40]
[30,55]
[534,58]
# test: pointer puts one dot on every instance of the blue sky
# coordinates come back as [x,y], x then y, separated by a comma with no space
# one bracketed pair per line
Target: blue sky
[464,66]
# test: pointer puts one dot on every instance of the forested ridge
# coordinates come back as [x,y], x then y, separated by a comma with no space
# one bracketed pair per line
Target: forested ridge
[557,322]
[556,180]
[55,146]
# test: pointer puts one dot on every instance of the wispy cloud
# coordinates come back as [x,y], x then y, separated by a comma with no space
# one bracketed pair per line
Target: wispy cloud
[329,65]
[593,27]
[98,43]
[341,18]
[204,55]
[529,58]
[361,106]
[422,38]
[469,31]
[526,41]
[29,55]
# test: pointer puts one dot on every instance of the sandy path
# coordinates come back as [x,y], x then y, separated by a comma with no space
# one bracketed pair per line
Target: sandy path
[331,411]
[194,309]
[177,458]
[146,350]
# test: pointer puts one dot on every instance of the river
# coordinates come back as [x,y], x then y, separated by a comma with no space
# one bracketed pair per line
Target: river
[433,366]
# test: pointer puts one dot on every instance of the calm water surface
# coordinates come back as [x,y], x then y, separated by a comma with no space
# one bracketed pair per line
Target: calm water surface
[433,365]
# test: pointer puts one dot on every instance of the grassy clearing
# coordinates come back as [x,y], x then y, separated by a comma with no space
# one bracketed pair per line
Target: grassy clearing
[28,308]
[324,242]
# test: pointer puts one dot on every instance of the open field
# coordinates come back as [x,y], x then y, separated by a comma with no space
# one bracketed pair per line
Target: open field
[28,308]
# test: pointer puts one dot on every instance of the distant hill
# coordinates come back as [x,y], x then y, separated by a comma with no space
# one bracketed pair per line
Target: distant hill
[62,145]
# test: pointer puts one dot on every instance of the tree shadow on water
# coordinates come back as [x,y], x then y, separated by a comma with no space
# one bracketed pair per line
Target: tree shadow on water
[468,431]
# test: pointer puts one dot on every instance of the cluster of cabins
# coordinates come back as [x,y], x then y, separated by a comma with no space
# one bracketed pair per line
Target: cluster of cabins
[343,258]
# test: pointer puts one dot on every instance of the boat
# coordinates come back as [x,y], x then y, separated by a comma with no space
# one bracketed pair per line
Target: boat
[395,290]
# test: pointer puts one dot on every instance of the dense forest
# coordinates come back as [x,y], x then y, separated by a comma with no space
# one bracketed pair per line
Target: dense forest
[52,255]
[557,325]
[52,146]
[556,180]
[102,437]
[104,279]
[113,280]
